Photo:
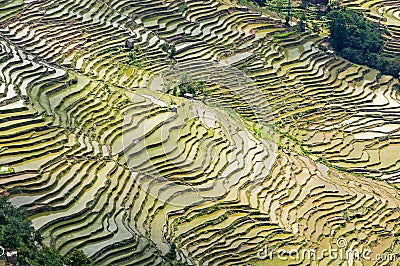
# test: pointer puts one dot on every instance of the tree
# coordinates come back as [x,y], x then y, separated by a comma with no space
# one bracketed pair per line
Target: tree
[280,4]
[172,51]
[169,49]
[50,257]
[351,29]
[77,258]
[171,255]
[134,56]
[260,2]
[338,29]
[306,3]
[397,88]
[360,41]
[185,85]
[17,233]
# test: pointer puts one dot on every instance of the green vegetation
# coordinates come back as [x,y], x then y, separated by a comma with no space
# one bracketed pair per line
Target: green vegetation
[278,6]
[171,255]
[5,170]
[134,59]
[77,258]
[252,2]
[169,49]
[196,88]
[282,35]
[17,233]
[397,87]
[360,41]
[182,8]
[306,3]
[139,181]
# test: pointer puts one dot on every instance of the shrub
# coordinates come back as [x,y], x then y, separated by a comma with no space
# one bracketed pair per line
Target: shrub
[77,258]
[196,88]
[17,233]
[252,2]
[171,255]
[360,41]
[182,8]
[397,87]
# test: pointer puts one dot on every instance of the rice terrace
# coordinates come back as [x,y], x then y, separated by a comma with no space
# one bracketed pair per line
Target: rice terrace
[188,132]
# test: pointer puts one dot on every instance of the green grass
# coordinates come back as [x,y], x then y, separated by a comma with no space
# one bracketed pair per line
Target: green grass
[5,170]
[282,35]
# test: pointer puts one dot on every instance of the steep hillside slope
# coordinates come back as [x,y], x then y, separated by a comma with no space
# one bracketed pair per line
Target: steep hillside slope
[291,148]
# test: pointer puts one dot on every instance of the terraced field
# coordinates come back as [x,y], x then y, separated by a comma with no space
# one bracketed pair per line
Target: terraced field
[290,148]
